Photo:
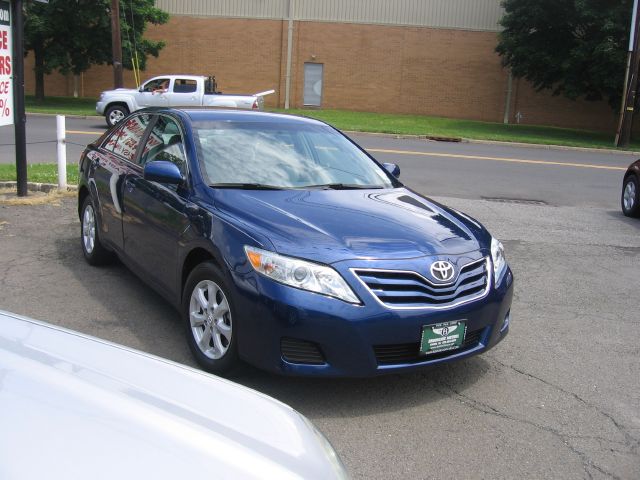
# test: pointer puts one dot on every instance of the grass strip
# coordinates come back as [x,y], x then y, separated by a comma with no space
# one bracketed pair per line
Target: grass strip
[40,173]
[61,105]
[465,129]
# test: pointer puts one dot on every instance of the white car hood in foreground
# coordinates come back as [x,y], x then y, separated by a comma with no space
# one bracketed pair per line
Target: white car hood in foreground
[76,407]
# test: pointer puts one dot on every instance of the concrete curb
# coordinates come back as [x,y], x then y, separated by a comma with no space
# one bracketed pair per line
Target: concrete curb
[65,114]
[554,147]
[430,138]
[38,187]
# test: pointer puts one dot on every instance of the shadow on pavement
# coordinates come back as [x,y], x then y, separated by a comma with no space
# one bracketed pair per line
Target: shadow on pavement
[320,398]
[618,215]
[128,311]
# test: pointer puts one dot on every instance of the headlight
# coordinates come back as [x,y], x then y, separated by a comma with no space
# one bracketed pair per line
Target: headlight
[300,274]
[498,260]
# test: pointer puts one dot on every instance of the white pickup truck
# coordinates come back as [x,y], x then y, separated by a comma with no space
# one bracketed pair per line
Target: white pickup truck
[173,91]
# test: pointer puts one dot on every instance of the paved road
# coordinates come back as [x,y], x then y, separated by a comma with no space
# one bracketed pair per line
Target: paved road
[41,138]
[464,170]
[469,170]
[559,398]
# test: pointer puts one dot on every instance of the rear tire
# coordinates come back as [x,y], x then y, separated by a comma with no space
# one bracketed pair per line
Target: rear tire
[94,252]
[115,113]
[630,197]
[210,327]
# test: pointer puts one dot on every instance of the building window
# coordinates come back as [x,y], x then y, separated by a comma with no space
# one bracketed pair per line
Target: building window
[313,84]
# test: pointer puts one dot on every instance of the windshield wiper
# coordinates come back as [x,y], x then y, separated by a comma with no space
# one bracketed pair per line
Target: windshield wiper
[343,186]
[246,186]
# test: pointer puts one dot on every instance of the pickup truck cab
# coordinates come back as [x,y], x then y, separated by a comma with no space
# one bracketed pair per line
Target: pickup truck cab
[173,91]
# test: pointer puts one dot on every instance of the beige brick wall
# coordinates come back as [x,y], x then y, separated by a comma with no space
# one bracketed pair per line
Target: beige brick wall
[395,69]
[404,69]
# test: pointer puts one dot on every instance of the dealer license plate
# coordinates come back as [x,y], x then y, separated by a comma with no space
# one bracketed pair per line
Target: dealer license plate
[442,337]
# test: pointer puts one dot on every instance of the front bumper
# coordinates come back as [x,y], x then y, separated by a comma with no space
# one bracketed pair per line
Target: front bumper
[348,336]
[100,106]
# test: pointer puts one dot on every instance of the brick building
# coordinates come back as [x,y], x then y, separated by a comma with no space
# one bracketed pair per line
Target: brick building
[430,57]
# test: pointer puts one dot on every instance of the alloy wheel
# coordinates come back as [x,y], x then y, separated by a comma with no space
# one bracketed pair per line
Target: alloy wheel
[629,196]
[89,229]
[210,318]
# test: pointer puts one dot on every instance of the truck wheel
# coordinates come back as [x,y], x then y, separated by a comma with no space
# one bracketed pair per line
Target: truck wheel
[115,113]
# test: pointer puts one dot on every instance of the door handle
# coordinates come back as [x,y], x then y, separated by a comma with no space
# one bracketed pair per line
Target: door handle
[130,186]
[194,214]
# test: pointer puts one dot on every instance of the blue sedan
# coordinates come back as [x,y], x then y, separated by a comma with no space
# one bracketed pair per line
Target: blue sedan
[284,244]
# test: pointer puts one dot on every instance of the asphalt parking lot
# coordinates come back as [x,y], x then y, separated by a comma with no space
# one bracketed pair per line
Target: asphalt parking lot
[559,398]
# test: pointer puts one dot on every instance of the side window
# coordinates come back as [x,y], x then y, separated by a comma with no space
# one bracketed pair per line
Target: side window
[182,85]
[124,141]
[165,143]
[156,85]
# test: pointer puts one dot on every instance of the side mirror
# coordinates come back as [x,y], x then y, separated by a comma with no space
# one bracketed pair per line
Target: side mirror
[162,171]
[392,168]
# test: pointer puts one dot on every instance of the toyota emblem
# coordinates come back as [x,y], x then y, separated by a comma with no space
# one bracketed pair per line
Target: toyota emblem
[442,270]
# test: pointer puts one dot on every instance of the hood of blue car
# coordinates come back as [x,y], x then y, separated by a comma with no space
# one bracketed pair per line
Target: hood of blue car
[333,225]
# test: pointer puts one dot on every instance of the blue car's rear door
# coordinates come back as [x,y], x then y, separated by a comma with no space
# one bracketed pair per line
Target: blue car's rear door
[110,163]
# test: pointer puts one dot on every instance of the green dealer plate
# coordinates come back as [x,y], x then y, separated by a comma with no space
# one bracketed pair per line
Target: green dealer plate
[442,337]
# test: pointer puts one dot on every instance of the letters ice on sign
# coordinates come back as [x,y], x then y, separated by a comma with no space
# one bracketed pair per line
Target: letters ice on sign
[6,64]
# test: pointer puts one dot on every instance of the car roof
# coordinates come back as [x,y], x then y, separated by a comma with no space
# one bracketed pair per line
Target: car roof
[242,116]
[173,75]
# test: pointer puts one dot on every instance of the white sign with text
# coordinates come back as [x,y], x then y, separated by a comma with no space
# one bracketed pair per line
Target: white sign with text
[6,63]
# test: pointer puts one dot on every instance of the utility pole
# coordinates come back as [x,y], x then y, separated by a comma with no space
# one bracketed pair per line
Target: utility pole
[19,117]
[116,44]
[623,136]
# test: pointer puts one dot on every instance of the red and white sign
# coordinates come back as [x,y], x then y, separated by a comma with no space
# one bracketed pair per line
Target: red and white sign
[6,65]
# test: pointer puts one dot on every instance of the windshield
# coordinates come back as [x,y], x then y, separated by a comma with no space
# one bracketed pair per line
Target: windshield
[283,156]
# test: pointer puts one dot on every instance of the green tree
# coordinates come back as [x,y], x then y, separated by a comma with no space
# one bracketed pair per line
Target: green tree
[72,35]
[576,48]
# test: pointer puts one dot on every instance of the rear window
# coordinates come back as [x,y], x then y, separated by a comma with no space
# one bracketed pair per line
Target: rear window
[125,140]
[185,86]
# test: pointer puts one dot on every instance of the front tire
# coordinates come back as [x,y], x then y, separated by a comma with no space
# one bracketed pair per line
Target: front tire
[94,252]
[630,198]
[115,114]
[210,327]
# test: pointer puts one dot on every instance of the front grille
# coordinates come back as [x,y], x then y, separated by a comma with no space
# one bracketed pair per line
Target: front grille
[402,289]
[410,352]
[301,351]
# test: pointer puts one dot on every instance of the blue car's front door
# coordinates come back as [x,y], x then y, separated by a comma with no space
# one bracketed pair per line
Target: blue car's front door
[154,216]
